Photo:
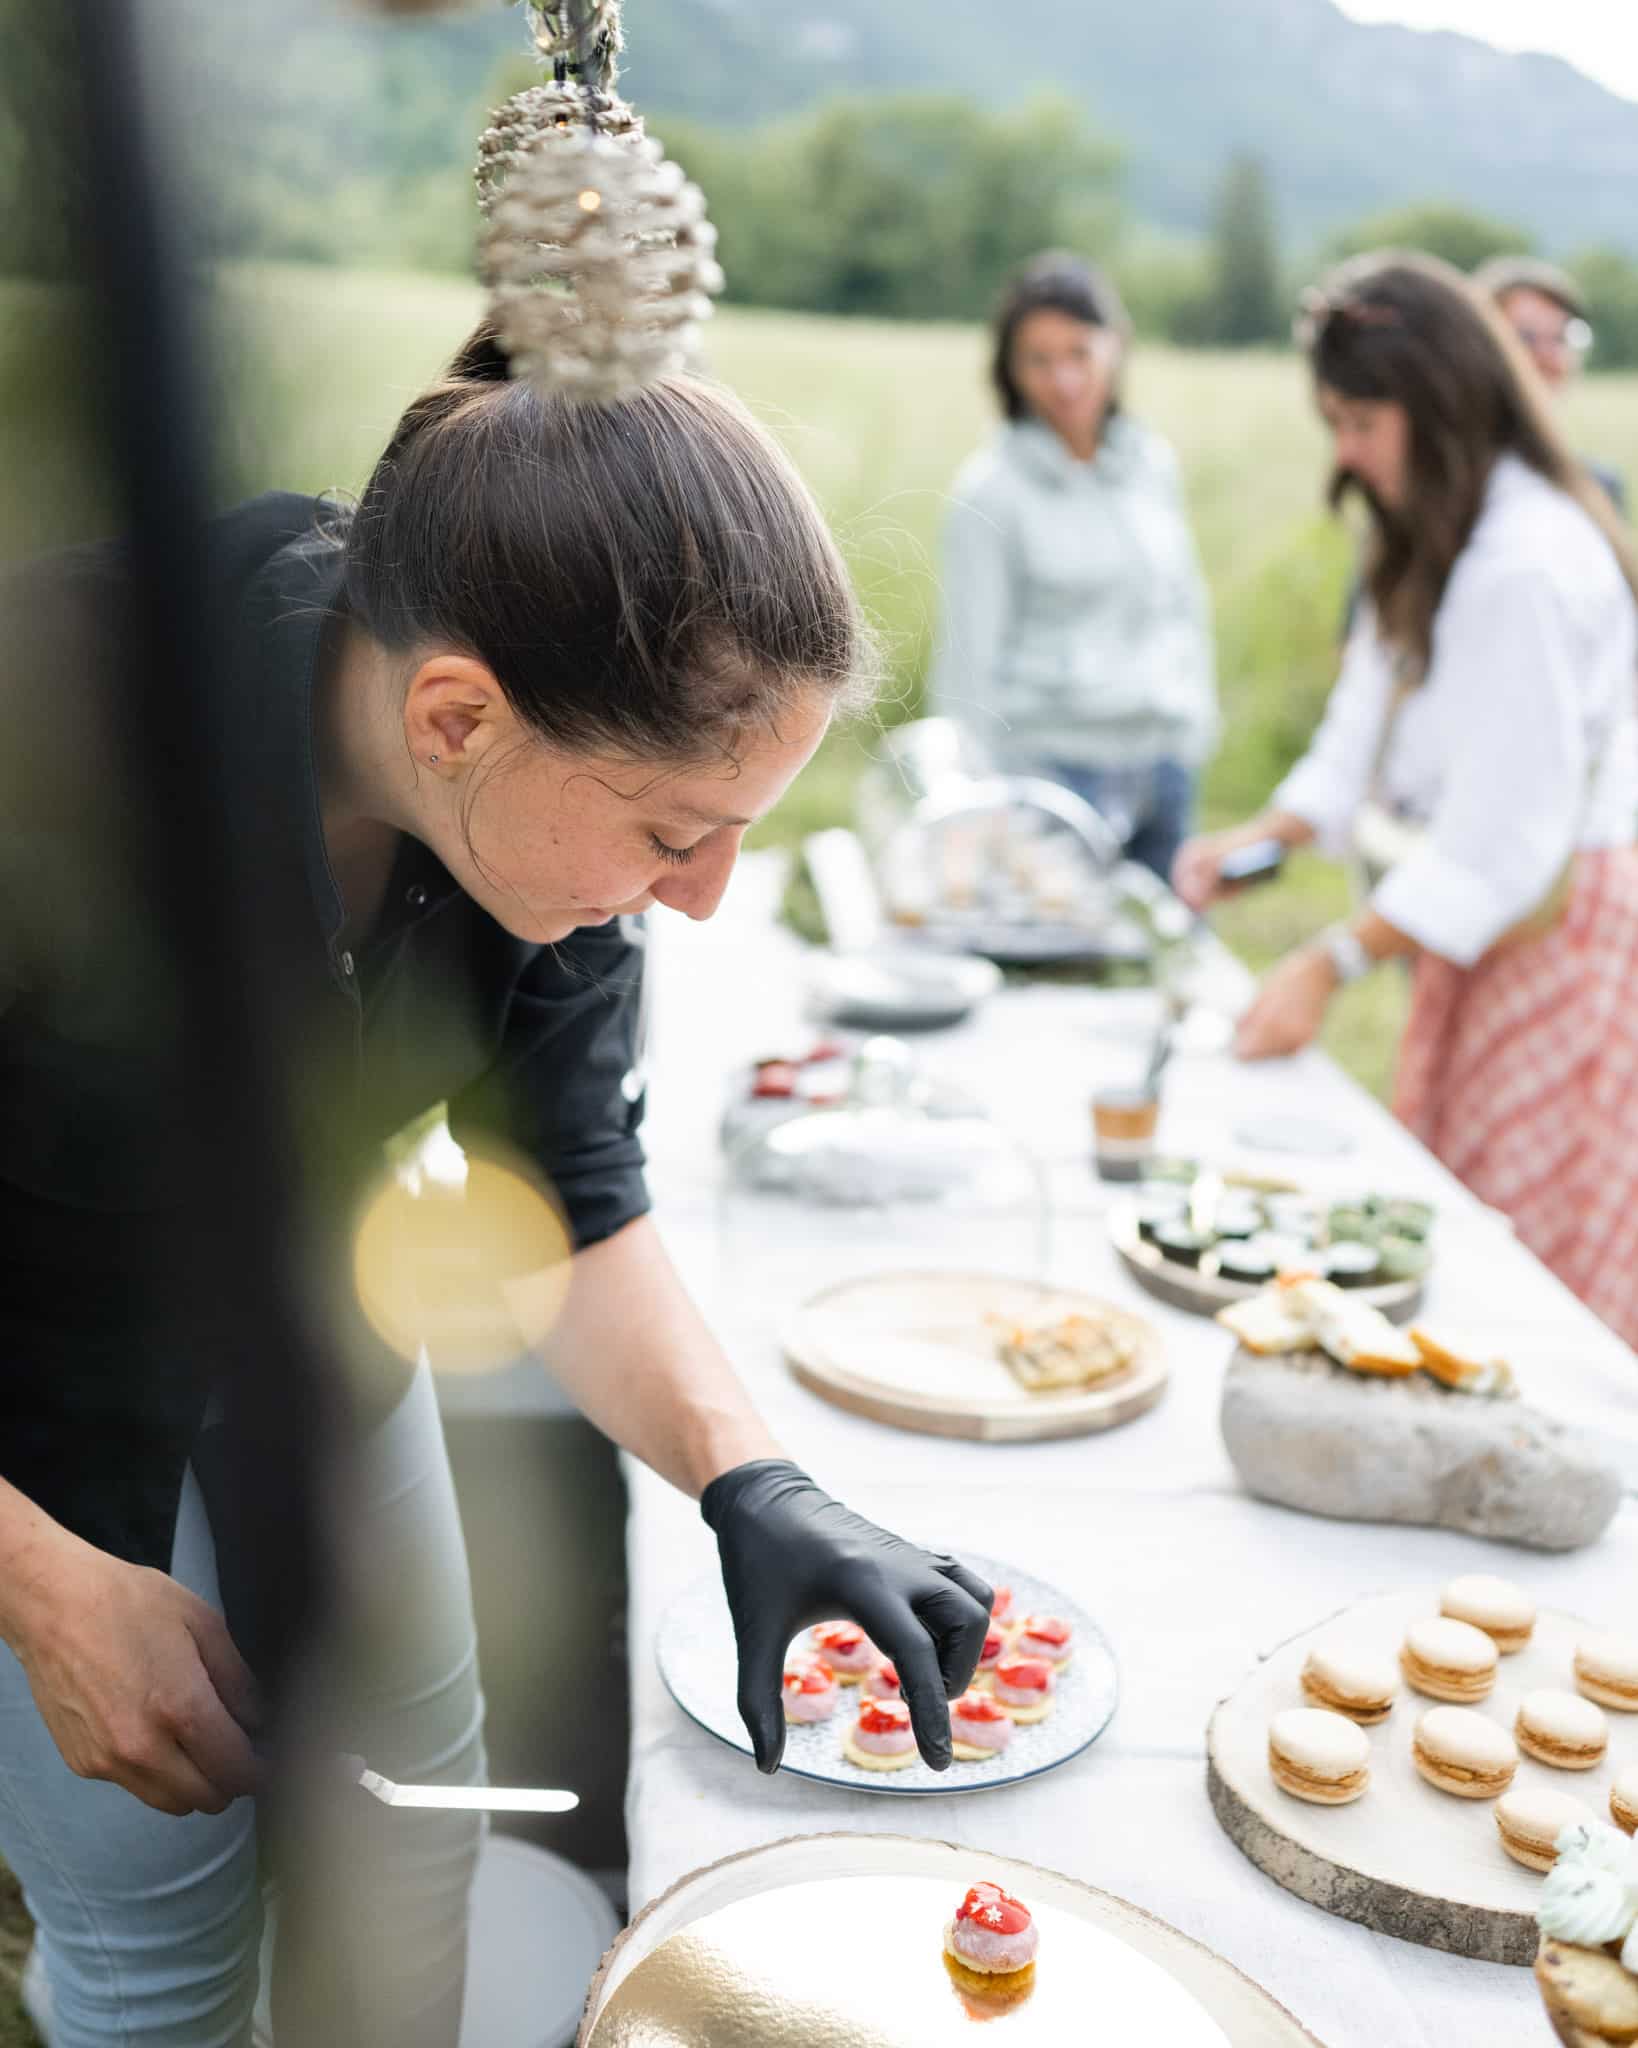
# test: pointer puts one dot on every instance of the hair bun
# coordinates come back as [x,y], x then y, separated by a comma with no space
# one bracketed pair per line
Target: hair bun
[480,359]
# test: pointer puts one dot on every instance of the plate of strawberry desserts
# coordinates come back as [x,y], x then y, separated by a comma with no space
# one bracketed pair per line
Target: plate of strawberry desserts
[1045,1690]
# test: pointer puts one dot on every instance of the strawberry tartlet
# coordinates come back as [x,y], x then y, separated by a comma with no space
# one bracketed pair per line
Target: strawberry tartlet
[811,1691]
[883,1683]
[881,1739]
[995,1648]
[992,1933]
[1001,1605]
[846,1649]
[1044,1636]
[979,1727]
[1023,1685]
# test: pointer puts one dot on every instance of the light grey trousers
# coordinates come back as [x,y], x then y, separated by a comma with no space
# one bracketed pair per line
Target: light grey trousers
[153,1931]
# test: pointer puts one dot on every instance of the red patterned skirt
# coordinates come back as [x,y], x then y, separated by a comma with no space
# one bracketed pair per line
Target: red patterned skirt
[1521,1074]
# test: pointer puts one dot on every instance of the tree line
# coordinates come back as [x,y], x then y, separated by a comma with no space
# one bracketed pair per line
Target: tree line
[884,205]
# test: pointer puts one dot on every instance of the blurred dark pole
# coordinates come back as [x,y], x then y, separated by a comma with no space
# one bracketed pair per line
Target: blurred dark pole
[236,1261]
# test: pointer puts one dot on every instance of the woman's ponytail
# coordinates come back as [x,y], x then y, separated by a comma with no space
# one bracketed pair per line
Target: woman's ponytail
[480,359]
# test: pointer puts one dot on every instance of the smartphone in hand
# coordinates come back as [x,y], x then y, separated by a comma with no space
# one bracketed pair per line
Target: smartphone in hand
[1261,861]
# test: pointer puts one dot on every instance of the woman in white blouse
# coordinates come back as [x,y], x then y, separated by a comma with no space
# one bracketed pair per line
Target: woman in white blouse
[1479,759]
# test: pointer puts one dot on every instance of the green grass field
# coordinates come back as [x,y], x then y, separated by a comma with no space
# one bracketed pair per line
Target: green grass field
[315,365]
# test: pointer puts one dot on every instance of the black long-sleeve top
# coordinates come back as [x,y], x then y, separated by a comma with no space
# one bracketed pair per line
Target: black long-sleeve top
[102,1392]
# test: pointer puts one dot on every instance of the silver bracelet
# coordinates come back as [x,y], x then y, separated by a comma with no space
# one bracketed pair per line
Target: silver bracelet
[1346,953]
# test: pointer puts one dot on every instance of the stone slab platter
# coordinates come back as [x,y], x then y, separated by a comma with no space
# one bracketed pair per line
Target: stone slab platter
[1405,1859]
[743,1954]
[1311,1435]
[695,1652]
[1202,1291]
[914,1350]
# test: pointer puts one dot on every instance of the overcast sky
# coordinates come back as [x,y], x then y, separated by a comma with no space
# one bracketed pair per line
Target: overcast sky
[1598,36]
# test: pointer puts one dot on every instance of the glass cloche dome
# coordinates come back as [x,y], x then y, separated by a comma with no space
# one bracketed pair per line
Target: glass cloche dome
[895,1172]
[1009,866]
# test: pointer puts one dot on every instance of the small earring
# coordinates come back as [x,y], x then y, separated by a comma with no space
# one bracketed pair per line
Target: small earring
[432,757]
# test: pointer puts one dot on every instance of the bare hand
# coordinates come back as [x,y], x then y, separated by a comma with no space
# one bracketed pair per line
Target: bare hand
[1289,1008]
[139,1683]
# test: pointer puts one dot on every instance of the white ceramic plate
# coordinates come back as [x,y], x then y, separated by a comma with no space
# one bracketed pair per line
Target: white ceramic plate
[695,1649]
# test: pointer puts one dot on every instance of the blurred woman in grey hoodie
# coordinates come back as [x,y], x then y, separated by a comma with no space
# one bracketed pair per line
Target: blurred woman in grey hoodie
[1076,639]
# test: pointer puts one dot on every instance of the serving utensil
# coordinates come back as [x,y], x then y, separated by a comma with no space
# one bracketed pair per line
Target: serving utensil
[458,1798]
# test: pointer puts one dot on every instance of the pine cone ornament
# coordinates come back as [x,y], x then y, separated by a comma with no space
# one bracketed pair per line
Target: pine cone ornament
[599,261]
[556,107]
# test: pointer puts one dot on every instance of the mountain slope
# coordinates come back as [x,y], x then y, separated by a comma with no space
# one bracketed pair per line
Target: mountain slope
[308,95]
[1350,116]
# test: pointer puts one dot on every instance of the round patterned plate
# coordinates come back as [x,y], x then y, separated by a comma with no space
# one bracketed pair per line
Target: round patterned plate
[695,1650]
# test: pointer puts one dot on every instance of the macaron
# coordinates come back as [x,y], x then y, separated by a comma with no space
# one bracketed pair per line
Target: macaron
[1606,1670]
[1350,1682]
[1561,1729]
[1319,1756]
[1624,1799]
[1448,1660]
[1504,1611]
[1530,1820]
[1464,1753]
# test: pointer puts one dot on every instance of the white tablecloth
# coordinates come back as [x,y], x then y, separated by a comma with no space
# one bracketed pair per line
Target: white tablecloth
[1146,1526]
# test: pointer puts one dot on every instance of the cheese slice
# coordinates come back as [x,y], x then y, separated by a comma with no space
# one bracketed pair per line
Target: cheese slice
[1266,1323]
[1355,1334]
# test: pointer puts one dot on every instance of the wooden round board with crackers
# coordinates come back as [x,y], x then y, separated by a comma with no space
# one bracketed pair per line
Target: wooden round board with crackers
[1404,1858]
[930,1351]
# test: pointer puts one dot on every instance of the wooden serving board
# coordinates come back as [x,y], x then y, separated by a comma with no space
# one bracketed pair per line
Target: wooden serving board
[913,1349]
[1406,1859]
[1201,1291]
[1110,1955]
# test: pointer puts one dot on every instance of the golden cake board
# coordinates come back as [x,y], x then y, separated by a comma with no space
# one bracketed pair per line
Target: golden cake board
[1247,2016]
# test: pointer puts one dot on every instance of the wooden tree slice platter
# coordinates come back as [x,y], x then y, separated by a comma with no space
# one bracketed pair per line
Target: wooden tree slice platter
[914,1349]
[750,1961]
[1406,1859]
[1201,1290]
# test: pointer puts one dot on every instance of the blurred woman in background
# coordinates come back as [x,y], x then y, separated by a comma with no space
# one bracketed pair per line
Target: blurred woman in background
[1479,757]
[1547,310]
[1076,638]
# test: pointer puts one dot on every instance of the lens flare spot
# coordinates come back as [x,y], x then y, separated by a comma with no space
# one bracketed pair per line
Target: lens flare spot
[464,1255]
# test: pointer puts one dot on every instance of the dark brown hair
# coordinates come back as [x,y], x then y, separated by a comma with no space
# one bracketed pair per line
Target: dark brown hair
[1055,282]
[1413,330]
[649,578]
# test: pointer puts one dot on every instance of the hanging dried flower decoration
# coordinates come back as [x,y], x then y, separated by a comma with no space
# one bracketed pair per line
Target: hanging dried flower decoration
[600,265]
[555,107]
[598,256]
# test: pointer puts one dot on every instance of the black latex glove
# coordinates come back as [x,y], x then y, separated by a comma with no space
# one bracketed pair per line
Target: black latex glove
[792,1556]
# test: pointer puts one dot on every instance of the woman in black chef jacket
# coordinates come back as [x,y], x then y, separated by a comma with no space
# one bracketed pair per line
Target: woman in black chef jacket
[546,674]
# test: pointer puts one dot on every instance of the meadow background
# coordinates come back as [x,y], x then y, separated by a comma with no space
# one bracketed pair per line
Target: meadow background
[878,415]
[312,364]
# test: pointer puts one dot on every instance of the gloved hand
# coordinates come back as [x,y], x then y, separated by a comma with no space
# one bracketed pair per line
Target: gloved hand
[792,1556]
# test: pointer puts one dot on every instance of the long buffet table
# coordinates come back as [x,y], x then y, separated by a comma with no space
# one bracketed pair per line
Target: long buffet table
[1147,1526]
